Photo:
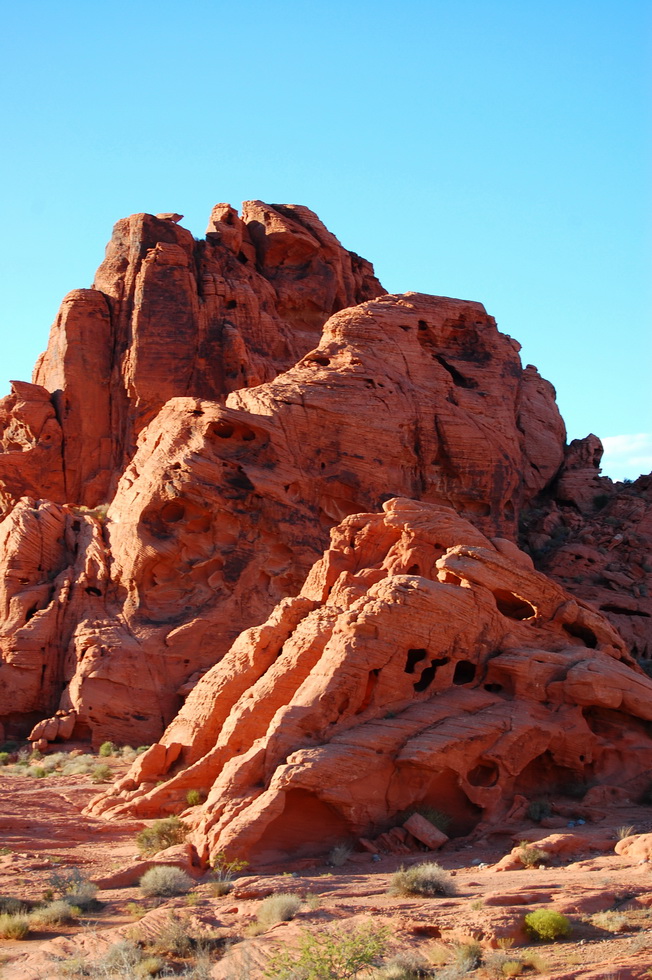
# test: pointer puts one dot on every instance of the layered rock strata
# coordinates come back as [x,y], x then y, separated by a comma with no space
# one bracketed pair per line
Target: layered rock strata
[422,663]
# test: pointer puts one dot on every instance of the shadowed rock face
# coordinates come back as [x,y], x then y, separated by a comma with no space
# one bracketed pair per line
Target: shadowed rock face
[421,664]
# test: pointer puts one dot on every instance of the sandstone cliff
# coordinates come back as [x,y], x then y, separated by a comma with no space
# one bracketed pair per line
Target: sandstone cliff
[202,419]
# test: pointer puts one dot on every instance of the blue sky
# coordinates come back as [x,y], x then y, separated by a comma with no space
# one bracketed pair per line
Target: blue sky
[494,150]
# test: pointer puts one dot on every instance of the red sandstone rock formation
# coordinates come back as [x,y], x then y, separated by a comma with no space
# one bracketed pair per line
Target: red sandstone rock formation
[224,508]
[422,663]
[160,391]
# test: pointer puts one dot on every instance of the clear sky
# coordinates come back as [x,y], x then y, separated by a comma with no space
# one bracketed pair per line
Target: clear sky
[494,150]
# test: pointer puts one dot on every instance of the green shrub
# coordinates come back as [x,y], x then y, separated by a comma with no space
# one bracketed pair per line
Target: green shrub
[38,772]
[531,857]
[428,879]
[13,926]
[5,758]
[405,966]
[102,774]
[546,924]
[106,749]
[335,955]
[162,833]
[278,908]
[165,881]
[468,956]
[225,870]
[193,797]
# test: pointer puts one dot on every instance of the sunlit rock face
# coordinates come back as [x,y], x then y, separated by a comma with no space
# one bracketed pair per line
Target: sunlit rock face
[422,664]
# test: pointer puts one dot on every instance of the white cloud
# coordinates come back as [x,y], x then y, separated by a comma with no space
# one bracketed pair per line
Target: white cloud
[626,457]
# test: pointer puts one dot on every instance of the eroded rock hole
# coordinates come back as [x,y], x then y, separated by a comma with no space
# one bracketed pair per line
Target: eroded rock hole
[372,681]
[91,590]
[464,672]
[621,611]
[493,688]
[322,360]
[458,379]
[223,429]
[413,658]
[231,305]
[484,774]
[428,675]
[172,512]
[582,633]
[512,605]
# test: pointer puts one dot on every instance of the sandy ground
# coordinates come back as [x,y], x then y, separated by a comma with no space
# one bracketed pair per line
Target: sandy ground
[43,832]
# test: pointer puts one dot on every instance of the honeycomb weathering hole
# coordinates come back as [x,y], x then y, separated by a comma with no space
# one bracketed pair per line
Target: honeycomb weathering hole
[513,606]
[172,512]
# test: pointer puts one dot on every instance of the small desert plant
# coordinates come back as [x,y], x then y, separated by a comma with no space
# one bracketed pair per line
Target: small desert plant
[193,797]
[404,966]
[79,765]
[224,870]
[468,956]
[625,831]
[162,833]
[106,749]
[164,881]
[476,904]
[278,908]
[38,772]
[5,758]
[500,965]
[102,773]
[530,856]
[11,906]
[13,926]
[611,921]
[173,938]
[335,955]
[52,914]
[547,924]
[538,809]
[339,855]
[427,879]
[136,909]
[83,897]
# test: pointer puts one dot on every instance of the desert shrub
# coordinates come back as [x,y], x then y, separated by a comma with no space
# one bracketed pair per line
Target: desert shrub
[625,831]
[119,960]
[5,758]
[162,833]
[13,926]
[102,773]
[427,879]
[149,966]
[225,870]
[611,921]
[547,924]
[66,880]
[530,856]
[468,956]
[165,881]
[106,749]
[538,809]
[52,914]
[174,938]
[335,955]
[193,797]
[83,897]
[9,746]
[79,765]
[339,855]
[11,906]
[278,908]
[38,772]
[404,966]
[127,753]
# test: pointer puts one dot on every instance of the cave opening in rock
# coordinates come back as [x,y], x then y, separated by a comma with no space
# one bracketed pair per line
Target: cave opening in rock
[583,633]
[428,675]
[306,826]
[464,672]
[413,658]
